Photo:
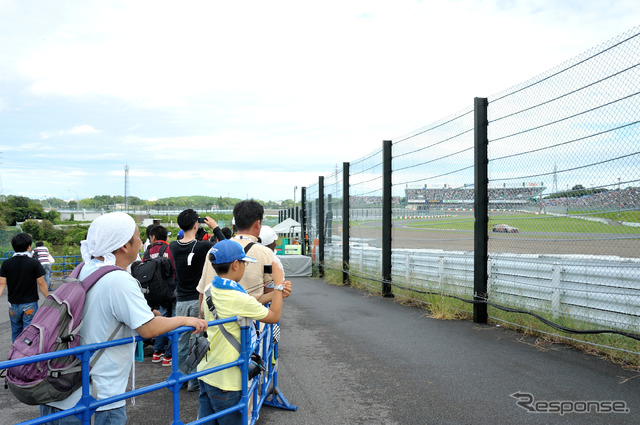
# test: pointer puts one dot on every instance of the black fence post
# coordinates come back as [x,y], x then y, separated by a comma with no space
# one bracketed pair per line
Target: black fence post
[329,218]
[386,219]
[345,223]
[303,221]
[481,209]
[321,226]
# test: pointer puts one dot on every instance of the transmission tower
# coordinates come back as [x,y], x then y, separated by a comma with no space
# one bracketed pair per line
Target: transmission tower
[126,187]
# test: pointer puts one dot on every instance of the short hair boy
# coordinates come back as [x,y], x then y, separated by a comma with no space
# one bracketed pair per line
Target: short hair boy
[230,299]
[23,276]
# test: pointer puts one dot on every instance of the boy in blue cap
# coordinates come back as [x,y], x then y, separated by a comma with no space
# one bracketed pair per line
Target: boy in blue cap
[223,389]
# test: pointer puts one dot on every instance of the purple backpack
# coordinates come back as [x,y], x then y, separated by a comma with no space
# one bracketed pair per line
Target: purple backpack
[54,327]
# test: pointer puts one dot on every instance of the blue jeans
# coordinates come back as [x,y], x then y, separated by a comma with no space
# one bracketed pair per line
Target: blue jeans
[105,417]
[20,316]
[190,309]
[213,400]
[163,341]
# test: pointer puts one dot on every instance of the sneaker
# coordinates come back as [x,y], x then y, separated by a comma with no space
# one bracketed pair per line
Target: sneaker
[157,357]
[193,388]
[166,361]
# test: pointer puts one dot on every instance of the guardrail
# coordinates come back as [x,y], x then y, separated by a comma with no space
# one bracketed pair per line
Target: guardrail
[263,391]
[591,289]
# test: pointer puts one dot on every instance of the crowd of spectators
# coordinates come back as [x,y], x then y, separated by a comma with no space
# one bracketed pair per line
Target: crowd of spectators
[371,200]
[467,194]
[628,198]
[614,199]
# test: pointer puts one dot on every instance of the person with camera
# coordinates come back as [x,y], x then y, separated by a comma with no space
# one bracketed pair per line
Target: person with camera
[257,278]
[189,255]
[222,390]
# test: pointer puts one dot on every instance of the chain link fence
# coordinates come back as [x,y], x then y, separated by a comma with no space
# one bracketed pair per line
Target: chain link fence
[365,217]
[561,192]
[568,141]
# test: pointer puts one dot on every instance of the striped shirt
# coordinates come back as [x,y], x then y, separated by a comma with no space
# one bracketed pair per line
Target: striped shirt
[42,254]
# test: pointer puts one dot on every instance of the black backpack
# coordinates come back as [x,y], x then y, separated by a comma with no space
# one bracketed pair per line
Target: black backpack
[156,277]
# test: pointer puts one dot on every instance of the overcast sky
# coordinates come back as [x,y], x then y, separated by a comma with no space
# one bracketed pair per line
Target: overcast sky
[252,98]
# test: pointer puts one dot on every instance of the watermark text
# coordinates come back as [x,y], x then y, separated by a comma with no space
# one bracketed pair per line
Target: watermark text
[528,402]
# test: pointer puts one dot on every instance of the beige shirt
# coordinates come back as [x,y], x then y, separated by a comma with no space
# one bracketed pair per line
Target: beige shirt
[254,277]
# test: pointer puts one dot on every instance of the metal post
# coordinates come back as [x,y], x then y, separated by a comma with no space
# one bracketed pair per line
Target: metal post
[386,219]
[303,219]
[329,225]
[481,207]
[345,223]
[321,226]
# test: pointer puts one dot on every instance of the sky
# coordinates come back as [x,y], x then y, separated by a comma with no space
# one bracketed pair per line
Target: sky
[253,99]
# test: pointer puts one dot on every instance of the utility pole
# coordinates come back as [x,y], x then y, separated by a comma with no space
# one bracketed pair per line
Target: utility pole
[126,187]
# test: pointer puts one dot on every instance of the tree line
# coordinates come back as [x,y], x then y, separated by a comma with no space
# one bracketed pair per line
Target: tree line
[108,202]
[46,225]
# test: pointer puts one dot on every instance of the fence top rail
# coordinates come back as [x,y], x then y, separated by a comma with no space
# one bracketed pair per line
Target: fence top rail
[78,351]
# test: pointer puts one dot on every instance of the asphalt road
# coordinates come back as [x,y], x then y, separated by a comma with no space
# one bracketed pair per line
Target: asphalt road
[350,358]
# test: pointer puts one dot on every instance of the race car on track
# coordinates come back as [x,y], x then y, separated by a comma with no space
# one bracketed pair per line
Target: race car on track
[504,228]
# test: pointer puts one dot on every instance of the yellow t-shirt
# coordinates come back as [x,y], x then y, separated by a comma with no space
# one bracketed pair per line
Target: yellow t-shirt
[228,303]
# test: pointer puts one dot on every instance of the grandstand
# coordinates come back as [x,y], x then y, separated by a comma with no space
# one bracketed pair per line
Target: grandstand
[463,197]
[369,201]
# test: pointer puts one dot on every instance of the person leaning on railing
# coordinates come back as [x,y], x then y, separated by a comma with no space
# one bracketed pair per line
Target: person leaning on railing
[114,308]
[223,389]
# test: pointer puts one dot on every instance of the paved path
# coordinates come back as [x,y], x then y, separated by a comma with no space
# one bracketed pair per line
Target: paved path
[349,358]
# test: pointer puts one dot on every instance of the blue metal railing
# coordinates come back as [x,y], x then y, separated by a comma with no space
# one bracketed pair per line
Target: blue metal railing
[88,405]
[69,262]
[63,266]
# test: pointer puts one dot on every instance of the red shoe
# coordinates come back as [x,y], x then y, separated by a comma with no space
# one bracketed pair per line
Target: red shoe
[166,361]
[157,357]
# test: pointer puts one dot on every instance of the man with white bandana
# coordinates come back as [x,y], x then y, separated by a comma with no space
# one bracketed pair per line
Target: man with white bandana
[114,239]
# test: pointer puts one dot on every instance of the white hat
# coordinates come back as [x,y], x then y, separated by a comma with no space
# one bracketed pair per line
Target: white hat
[106,234]
[267,235]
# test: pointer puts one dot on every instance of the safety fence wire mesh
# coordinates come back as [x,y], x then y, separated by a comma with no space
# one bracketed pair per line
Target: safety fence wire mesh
[564,223]
[311,216]
[333,220]
[432,178]
[365,211]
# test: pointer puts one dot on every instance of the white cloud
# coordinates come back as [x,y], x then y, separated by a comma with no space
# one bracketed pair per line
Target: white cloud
[215,92]
[80,129]
[83,129]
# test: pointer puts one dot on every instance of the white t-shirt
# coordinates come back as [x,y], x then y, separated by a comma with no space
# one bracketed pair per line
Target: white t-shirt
[115,298]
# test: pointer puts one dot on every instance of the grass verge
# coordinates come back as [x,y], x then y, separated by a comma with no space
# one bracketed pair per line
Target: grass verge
[612,347]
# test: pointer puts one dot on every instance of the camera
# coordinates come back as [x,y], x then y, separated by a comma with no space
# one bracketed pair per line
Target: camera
[200,220]
[256,365]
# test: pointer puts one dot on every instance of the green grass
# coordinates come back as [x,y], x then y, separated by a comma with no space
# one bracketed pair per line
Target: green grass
[525,223]
[628,216]
[613,347]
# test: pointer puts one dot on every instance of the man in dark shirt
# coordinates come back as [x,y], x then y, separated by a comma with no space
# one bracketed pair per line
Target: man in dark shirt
[158,240]
[23,275]
[189,255]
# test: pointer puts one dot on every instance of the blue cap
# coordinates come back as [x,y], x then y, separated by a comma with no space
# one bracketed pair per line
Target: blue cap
[228,251]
